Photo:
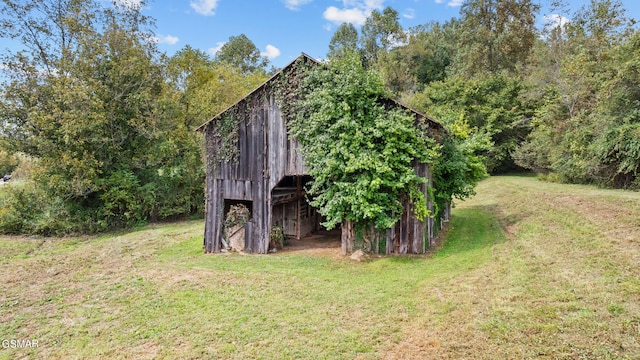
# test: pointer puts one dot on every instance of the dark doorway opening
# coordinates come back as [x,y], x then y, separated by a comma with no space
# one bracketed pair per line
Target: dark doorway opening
[300,222]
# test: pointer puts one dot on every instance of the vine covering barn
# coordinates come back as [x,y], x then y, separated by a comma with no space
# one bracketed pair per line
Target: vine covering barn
[255,164]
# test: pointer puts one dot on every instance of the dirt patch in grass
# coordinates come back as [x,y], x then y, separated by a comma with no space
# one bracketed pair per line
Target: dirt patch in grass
[325,243]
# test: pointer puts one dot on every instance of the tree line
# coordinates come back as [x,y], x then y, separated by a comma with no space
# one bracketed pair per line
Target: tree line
[103,122]
[560,98]
[100,123]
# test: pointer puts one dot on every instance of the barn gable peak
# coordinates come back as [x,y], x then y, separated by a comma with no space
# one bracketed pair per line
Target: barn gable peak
[305,58]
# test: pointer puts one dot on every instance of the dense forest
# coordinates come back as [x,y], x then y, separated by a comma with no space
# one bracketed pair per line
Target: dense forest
[98,125]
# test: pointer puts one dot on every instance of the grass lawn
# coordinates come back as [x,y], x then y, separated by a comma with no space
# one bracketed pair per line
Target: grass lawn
[528,270]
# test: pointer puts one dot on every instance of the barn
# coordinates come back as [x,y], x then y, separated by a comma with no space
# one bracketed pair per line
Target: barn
[252,161]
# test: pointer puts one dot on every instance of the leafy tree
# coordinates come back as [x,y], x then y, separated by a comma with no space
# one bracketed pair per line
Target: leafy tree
[423,59]
[459,168]
[495,35]
[242,53]
[432,51]
[461,163]
[343,41]
[88,101]
[617,140]
[492,106]
[577,71]
[359,152]
[205,87]
[380,32]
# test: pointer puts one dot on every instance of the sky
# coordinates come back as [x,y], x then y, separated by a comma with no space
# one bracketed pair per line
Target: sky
[282,29]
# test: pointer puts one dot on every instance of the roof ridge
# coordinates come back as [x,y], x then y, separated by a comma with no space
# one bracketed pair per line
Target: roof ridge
[301,56]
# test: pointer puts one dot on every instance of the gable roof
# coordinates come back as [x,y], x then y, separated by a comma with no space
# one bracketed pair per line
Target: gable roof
[304,57]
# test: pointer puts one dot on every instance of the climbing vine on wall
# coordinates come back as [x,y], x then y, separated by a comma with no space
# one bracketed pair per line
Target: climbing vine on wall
[359,150]
[289,87]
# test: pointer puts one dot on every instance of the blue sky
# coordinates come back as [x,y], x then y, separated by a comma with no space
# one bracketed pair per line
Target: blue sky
[282,29]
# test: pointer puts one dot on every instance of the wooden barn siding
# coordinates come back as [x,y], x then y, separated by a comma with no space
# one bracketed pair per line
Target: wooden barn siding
[410,235]
[266,155]
[285,159]
[262,197]
[214,208]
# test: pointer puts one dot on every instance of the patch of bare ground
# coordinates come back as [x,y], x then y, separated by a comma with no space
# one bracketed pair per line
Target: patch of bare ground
[325,243]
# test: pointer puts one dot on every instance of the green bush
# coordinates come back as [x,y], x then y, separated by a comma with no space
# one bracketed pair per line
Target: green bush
[26,209]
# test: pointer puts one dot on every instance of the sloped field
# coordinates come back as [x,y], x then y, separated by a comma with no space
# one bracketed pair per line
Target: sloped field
[528,270]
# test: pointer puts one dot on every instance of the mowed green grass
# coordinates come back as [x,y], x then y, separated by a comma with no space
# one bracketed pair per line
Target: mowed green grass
[528,270]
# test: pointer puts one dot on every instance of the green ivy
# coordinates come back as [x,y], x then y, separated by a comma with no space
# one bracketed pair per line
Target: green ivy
[360,152]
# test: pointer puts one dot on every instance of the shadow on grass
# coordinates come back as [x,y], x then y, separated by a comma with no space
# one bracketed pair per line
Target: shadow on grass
[471,230]
[505,220]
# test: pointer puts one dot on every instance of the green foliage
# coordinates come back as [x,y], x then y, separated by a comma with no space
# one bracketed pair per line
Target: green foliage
[495,35]
[459,168]
[491,106]
[380,32]
[242,53]
[125,202]
[107,121]
[586,128]
[26,208]
[8,161]
[359,151]
[112,145]
[277,237]
[343,41]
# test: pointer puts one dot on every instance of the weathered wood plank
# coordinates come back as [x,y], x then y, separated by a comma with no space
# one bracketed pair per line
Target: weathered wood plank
[347,237]
[390,239]
[216,223]
[262,245]
[243,156]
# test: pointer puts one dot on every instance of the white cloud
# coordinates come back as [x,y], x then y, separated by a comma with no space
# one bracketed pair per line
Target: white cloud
[409,13]
[353,11]
[452,3]
[295,4]
[363,4]
[169,39]
[131,4]
[214,50]
[555,20]
[354,16]
[271,52]
[374,4]
[204,7]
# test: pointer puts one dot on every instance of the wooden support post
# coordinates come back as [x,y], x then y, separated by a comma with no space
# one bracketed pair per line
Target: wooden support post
[391,236]
[298,207]
[347,237]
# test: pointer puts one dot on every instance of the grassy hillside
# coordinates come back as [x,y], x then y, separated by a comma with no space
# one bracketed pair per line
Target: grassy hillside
[561,281]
